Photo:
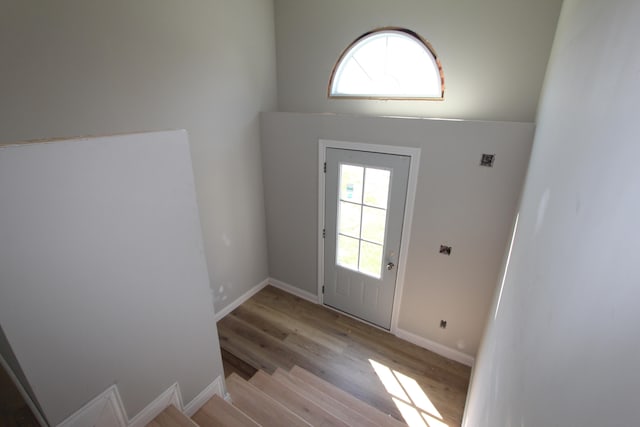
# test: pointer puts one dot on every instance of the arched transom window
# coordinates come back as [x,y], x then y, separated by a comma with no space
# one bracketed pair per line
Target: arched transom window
[389,63]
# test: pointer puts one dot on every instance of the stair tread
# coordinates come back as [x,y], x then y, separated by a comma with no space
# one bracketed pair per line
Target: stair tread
[219,413]
[328,403]
[300,404]
[259,406]
[345,398]
[171,417]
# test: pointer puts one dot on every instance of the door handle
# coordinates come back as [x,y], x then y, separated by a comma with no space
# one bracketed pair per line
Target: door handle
[390,266]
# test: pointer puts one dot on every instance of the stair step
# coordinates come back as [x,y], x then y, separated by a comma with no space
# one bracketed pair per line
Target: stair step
[260,407]
[328,403]
[219,413]
[298,403]
[171,417]
[374,414]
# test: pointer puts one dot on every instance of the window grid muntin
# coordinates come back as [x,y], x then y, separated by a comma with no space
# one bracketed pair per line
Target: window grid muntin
[403,97]
[362,205]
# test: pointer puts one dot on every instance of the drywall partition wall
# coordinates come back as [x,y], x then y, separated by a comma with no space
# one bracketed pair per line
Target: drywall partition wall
[493,53]
[103,278]
[562,346]
[77,67]
[458,203]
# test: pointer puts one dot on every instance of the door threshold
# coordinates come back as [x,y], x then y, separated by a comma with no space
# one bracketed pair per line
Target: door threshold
[359,319]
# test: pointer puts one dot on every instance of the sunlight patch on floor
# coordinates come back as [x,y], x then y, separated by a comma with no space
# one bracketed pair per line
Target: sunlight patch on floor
[432,422]
[411,400]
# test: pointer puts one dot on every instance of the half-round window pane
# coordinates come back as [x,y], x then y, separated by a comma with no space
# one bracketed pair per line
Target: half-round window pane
[388,64]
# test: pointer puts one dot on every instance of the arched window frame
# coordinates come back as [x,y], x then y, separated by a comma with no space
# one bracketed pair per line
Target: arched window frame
[406,32]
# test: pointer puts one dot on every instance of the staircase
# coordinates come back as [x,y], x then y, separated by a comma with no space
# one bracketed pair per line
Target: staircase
[294,398]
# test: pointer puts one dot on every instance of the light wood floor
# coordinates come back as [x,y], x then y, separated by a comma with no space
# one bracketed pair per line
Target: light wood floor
[277,330]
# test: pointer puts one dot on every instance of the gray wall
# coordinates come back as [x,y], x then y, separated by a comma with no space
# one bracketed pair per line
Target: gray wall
[458,203]
[103,278]
[562,347]
[88,67]
[494,53]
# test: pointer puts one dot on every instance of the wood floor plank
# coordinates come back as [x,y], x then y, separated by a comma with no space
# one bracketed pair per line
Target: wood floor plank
[246,345]
[219,413]
[353,376]
[355,332]
[447,392]
[283,324]
[260,407]
[365,340]
[264,352]
[298,403]
[356,404]
[275,329]
[328,403]
[446,397]
[172,417]
[233,364]
[359,333]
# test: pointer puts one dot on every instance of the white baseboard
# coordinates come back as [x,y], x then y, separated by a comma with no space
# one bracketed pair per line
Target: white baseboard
[30,403]
[257,288]
[294,290]
[238,301]
[107,410]
[107,405]
[216,387]
[171,396]
[438,348]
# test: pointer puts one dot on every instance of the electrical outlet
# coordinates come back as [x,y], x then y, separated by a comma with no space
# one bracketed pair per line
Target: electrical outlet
[445,250]
[443,324]
[487,160]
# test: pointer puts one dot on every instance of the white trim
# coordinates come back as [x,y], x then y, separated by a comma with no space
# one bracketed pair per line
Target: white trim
[412,189]
[30,403]
[294,290]
[171,396]
[241,299]
[412,185]
[109,401]
[91,413]
[216,387]
[115,406]
[438,348]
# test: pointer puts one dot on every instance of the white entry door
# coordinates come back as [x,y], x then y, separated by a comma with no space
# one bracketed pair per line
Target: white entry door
[365,196]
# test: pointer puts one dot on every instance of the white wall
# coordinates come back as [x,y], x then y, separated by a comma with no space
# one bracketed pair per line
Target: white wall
[78,67]
[103,278]
[458,203]
[562,347]
[493,52]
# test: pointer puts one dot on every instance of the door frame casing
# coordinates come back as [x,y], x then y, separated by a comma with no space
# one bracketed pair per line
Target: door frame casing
[414,154]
